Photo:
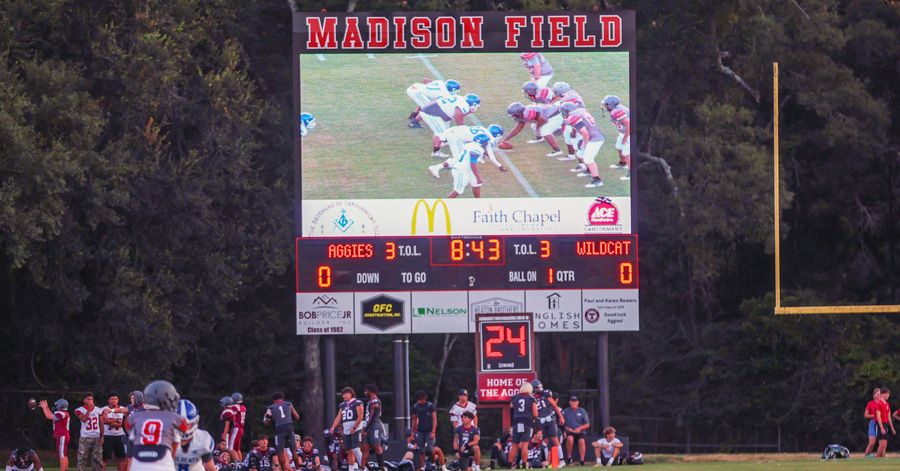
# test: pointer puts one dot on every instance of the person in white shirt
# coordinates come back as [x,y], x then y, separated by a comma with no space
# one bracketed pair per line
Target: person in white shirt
[90,442]
[608,448]
[456,412]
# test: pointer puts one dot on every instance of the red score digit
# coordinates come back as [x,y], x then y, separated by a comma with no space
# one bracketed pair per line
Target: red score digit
[456,250]
[545,248]
[478,247]
[494,249]
[324,276]
[391,251]
[489,345]
[519,340]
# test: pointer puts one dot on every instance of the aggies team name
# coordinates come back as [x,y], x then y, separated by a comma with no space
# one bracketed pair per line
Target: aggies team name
[546,31]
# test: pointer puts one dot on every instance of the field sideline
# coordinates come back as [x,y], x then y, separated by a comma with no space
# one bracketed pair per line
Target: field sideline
[724,462]
[361,147]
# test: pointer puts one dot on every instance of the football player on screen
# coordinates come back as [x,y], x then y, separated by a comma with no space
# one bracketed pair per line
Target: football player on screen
[307,122]
[540,95]
[563,93]
[546,117]
[451,108]
[621,117]
[465,171]
[458,136]
[539,69]
[426,92]
[592,140]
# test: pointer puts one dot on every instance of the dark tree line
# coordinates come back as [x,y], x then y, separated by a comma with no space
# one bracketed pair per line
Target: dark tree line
[145,155]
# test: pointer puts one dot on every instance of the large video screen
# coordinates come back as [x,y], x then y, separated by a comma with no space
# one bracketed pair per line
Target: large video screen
[411,185]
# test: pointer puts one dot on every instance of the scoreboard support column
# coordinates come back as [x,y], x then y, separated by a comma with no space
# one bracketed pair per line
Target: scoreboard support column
[603,378]
[329,388]
[400,393]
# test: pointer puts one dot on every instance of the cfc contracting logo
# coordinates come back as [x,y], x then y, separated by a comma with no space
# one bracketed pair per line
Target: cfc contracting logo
[429,213]
[603,213]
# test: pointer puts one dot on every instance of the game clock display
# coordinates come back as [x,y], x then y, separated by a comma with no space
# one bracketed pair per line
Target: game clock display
[467,263]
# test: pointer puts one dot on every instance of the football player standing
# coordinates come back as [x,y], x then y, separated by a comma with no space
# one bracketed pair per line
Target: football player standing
[60,418]
[283,414]
[238,421]
[538,68]
[621,117]
[563,93]
[350,417]
[90,442]
[373,431]
[592,140]
[465,172]
[154,434]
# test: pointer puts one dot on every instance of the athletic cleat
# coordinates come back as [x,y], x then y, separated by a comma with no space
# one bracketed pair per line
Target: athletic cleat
[566,158]
[415,124]
[434,169]
[536,140]
[619,165]
[626,178]
[578,168]
[595,182]
[555,153]
[439,155]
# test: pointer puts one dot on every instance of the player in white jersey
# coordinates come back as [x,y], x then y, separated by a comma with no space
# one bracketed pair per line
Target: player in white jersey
[451,108]
[426,92]
[195,452]
[307,122]
[465,172]
[458,136]
[112,424]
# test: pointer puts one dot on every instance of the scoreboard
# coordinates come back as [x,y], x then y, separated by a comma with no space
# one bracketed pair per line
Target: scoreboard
[386,242]
[467,262]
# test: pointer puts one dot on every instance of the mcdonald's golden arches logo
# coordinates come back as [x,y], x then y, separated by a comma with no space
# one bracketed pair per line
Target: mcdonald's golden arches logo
[430,211]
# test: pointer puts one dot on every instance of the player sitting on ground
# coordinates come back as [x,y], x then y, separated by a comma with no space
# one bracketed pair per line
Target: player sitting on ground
[465,442]
[23,459]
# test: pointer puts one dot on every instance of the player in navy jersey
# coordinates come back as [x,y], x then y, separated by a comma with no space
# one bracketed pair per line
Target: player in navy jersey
[350,417]
[538,453]
[373,431]
[424,426]
[524,411]
[283,414]
[23,459]
[263,457]
[310,456]
[465,442]
[549,414]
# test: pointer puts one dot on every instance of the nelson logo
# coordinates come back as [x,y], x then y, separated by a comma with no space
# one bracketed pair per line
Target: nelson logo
[603,212]
[430,212]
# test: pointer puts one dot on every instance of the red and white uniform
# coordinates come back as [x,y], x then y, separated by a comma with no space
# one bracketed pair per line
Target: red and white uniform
[618,115]
[582,120]
[91,426]
[238,419]
[549,112]
[532,59]
[61,421]
[575,98]
[544,96]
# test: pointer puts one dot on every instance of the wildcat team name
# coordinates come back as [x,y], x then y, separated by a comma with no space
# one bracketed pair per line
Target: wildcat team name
[532,32]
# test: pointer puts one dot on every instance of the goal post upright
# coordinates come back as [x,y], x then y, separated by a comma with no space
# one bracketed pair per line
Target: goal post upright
[861,309]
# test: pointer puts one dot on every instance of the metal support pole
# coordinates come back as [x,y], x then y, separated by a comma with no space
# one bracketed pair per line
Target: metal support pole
[329,388]
[537,356]
[399,425]
[407,394]
[603,377]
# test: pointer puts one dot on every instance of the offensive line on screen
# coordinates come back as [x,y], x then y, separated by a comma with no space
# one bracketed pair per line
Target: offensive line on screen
[512,167]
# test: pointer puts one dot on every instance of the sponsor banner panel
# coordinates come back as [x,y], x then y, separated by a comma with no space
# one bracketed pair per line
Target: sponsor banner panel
[494,302]
[324,313]
[382,313]
[440,312]
[501,387]
[482,216]
[555,310]
[610,309]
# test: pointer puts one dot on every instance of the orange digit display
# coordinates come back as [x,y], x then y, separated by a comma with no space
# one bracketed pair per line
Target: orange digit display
[626,274]
[545,248]
[456,250]
[489,345]
[494,249]
[324,276]
[391,251]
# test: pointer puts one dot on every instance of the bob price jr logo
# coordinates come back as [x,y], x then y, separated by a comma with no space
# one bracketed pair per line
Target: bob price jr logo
[425,31]
[603,213]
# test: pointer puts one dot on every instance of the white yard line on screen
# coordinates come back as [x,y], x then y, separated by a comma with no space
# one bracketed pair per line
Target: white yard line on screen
[321,57]
[370,56]
[512,167]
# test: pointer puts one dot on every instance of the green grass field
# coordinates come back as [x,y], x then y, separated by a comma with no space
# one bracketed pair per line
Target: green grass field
[361,147]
